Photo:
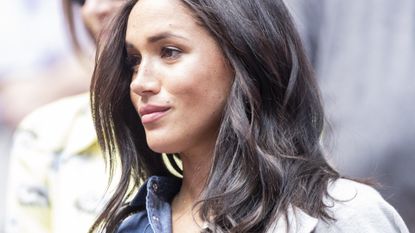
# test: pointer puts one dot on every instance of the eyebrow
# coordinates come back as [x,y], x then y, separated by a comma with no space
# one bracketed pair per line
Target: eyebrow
[163,35]
[155,38]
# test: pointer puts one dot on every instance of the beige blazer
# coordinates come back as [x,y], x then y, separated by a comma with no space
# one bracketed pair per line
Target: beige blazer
[358,209]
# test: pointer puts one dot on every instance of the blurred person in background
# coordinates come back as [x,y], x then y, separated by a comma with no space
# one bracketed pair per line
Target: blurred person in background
[35,55]
[57,177]
[364,56]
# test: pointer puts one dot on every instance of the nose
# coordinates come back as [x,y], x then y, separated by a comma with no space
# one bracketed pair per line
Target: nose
[145,82]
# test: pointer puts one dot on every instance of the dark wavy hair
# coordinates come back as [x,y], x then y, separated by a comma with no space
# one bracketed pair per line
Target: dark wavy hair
[268,154]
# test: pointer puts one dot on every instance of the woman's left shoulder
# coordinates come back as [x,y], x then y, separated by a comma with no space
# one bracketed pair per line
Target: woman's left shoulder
[349,193]
[357,207]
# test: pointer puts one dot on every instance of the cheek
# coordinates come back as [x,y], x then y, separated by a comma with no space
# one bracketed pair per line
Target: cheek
[201,78]
[87,12]
[191,89]
[134,100]
[203,95]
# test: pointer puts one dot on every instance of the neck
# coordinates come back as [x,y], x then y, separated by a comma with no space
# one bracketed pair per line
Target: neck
[185,217]
[196,166]
[195,173]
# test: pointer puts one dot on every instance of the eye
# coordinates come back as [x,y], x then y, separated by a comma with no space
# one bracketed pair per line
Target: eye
[80,2]
[133,62]
[170,53]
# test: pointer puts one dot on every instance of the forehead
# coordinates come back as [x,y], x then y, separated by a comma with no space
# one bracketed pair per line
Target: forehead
[151,16]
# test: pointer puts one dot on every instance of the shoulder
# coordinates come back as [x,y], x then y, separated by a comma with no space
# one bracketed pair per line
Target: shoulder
[152,205]
[358,207]
[65,108]
[352,193]
[50,126]
[137,222]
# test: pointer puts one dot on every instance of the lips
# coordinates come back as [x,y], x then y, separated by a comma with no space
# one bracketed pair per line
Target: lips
[151,113]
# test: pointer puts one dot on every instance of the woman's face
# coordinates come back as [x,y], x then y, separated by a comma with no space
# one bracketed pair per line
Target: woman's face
[97,13]
[181,79]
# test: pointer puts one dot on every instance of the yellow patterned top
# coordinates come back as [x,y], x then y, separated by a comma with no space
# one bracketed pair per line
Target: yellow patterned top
[58,179]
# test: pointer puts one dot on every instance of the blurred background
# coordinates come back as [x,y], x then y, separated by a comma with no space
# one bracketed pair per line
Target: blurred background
[31,41]
[363,53]
[37,66]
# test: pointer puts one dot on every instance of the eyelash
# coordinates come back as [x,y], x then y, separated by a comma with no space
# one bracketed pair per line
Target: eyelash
[170,53]
[133,61]
[175,53]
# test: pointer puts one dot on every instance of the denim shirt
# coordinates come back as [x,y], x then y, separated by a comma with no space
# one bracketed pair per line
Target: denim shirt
[153,200]
[356,208]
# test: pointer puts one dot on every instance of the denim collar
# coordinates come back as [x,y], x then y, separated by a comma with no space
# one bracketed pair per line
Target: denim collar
[157,193]
[155,196]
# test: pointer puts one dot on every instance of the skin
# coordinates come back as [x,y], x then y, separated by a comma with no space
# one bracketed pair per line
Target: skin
[97,13]
[179,66]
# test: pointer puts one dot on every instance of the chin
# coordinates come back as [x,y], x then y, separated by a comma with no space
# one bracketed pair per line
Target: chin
[160,146]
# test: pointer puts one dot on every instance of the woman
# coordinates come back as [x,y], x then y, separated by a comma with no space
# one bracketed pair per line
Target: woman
[226,86]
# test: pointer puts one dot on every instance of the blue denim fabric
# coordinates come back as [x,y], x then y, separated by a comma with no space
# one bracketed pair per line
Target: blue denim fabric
[153,199]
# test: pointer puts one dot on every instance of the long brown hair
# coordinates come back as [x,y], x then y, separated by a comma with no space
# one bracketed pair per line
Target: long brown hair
[267,155]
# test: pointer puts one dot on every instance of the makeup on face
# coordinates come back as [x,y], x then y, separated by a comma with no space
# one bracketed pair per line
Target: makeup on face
[180,78]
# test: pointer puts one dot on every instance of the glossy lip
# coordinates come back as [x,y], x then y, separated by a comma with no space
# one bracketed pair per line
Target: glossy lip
[151,113]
